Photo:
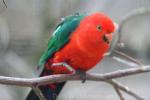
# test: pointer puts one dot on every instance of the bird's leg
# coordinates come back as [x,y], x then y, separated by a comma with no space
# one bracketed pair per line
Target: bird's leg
[65,65]
[82,75]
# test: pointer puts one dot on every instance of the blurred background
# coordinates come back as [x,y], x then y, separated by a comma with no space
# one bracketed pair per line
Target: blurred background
[26,26]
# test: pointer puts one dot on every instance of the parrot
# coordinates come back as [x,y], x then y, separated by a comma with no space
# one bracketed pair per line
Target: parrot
[77,44]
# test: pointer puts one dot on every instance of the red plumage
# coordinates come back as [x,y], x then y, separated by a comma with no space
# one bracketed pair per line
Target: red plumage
[86,46]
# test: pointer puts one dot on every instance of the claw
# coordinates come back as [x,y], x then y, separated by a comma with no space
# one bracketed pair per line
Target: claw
[82,75]
[65,65]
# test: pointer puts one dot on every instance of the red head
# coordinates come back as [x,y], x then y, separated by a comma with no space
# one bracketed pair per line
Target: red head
[95,30]
[98,26]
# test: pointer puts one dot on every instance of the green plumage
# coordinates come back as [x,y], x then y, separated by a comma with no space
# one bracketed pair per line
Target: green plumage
[60,36]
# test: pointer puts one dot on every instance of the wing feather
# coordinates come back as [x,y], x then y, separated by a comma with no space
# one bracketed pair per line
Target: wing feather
[60,37]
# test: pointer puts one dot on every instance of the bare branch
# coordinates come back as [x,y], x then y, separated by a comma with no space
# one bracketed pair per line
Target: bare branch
[4,3]
[38,93]
[116,89]
[63,77]
[128,57]
[128,17]
[119,93]
[66,77]
[125,89]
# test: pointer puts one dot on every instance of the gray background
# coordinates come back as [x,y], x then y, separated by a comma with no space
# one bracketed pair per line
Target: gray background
[26,25]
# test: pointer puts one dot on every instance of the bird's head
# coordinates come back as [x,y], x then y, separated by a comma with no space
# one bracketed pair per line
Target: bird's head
[98,28]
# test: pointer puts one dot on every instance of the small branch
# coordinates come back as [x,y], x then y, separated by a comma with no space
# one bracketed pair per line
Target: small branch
[116,89]
[128,57]
[4,3]
[129,17]
[125,89]
[63,77]
[119,93]
[38,93]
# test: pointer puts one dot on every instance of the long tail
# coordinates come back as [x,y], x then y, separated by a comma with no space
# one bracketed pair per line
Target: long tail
[50,91]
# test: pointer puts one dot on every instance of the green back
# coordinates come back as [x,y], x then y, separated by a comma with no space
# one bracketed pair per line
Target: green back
[60,37]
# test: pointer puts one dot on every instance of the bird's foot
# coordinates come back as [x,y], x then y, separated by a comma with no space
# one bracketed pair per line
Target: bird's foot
[82,75]
[65,65]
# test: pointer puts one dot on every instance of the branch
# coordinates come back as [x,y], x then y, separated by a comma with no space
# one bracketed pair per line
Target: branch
[129,17]
[35,82]
[4,3]
[112,82]
[65,77]
[125,89]
[119,93]
[128,57]
[38,93]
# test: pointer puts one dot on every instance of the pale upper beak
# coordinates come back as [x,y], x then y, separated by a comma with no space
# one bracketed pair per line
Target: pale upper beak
[116,26]
[108,37]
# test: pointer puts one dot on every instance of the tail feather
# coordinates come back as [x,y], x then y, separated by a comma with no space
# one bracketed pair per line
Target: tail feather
[50,91]
[49,94]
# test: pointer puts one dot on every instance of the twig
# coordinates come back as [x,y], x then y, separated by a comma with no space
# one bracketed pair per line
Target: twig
[119,93]
[4,3]
[116,89]
[128,17]
[38,93]
[125,89]
[128,57]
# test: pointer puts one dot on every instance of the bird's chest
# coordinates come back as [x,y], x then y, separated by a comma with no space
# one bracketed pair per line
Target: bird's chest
[82,60]
[79,57]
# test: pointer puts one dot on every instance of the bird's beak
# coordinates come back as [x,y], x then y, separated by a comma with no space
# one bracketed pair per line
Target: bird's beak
[107,38]
[116,26]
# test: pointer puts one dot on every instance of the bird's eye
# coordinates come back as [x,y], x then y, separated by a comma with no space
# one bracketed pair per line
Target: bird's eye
[99,28]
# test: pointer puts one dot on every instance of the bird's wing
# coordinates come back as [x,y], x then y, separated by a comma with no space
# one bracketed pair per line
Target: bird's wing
[60,37]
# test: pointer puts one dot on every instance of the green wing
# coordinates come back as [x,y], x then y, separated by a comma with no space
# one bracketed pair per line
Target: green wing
[60,37]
